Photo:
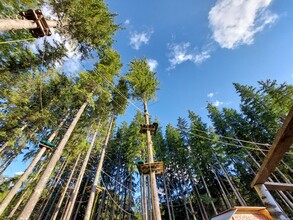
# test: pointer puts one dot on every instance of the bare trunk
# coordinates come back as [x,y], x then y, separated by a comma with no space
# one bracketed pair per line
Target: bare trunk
[58,206]
[209,194]
[236,192]
[82,195]
[101,205]
[27,211]
[192,209]
[17,24]
[98,173]
[272,206]
[54,186]
[28,171]
[167,197]
[226,200]
[153,182]
[80,177]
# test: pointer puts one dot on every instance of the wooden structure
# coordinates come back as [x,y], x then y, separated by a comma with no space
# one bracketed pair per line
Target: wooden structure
[47,144]
[146,168]
[98,188]
[281,144]
[42,26]
[244,212]
[152,128]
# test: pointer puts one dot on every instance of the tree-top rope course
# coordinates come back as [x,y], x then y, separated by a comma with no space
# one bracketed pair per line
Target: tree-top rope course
[86,164]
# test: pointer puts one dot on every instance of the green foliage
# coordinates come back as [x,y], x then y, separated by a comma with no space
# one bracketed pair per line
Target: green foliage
[143,82]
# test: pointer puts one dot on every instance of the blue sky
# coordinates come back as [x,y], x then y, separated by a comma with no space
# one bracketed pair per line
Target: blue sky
[198,49]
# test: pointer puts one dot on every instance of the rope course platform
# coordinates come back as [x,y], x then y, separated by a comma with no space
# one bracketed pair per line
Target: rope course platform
[152,128]
[47,144]
[146,168]
[38,17]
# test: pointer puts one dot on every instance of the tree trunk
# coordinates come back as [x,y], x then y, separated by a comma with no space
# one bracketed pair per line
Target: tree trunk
[167,197]
[52,190]
[236,192]
[209,194]
[226,200]
[58,206]
[153,183]
[130,198]
[101,205]
[17,24]
[98,173]
[27,211]
[80,177]
[115,186]
[82,195]
[272,206]
[28,171]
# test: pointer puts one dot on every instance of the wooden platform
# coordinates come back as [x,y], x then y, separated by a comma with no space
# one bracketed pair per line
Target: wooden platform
[152,128]
[146,168]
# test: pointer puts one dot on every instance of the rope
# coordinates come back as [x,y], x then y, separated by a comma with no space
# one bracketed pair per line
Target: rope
[117,182]
[249,142]
[114,200]
[15,41]
[119,92]
[235,145]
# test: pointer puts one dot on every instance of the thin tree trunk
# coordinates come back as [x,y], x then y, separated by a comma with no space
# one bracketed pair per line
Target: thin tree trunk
[101,205]
[17,24]
[80,177]
[153,183]
[199,202]
[54,186]
[192,209]
[98,173]
[209,194]
[58,206]
[115,186]
[167,197]
[143,197]
[82,195]
[130,198]
[28,171]
[226,200]
[27,211]
[237,194]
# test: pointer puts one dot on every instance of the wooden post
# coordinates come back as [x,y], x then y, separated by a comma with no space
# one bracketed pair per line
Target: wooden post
[153,183]
[268,200]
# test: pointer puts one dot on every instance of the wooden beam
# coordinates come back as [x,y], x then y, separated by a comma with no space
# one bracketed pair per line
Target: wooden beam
[280,146]
[279,186]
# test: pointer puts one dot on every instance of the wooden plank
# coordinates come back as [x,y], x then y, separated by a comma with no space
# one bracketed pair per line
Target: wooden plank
[279,186]
[280,146]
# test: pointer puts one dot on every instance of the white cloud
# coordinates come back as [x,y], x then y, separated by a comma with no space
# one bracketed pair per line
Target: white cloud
[152,64]
[18,173]
[211,94]
[217,103]
[181,52]
[138,39]
[236,22]
[127,21]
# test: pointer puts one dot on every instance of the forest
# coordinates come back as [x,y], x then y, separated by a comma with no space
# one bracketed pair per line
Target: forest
[83,164]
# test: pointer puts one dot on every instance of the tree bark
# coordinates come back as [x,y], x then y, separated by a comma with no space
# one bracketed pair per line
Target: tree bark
[27,211]
[17,24]
[28,171]
[79,203]
[80,177]
[98,173]
[153,183]
[236,192]
[58,206]
[209,194]
[167,197]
